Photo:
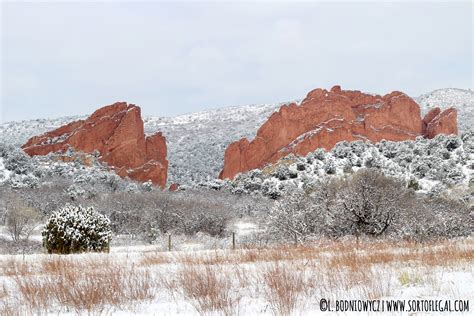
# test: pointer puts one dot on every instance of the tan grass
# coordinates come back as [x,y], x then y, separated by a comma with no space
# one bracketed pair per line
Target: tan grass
[8,308]
[209,290]
[69,284]
[169,282]
[151,259]
[215,281]
[13,266]
[284,287]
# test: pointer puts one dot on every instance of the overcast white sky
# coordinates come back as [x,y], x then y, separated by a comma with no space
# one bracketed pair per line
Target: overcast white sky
[171,58]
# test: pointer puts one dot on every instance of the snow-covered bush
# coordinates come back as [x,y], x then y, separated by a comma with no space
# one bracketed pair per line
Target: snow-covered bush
[132,188]
[366,203]
[295,217]
[147,186]
[330,166]
[75,229]
[271,188]
[319,154]
[18,181]
[426,165]
[342,150]
[282,172]
[18,162]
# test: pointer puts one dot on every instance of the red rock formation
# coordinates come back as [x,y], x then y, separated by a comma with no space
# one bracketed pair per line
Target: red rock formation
[173,187]
[441,122]
[325,118]
[430,116]
[116,131]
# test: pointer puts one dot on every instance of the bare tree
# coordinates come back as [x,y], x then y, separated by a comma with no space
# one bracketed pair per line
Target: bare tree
[294,216]
[369,202]
[20,219]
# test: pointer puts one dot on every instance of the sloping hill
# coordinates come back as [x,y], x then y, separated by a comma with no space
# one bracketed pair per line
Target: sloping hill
[197,141]
[462,100]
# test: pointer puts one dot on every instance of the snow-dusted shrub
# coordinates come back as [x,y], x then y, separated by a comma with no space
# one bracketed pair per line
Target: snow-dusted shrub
[310,158]
[413,184]
[293,217]
[308,183]
[319,154]
[282,172]
[215,184]
[342,150]
[132,188]
[347,166]
[75,191]
[358,148]
[388,149]
[452,142]
[111,180]
[372,159]
[238,190]
[18,162]
[293,173]
[468,141]
[75,229]
[19,181]
[368,203]
[444,154]
[454,175]
[254,184]
[330,166]
[300,164]
[271,188]
[147,186]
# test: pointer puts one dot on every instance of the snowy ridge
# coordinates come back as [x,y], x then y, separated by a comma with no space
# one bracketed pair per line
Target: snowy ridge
[197,141]
[17,133]
[462,100]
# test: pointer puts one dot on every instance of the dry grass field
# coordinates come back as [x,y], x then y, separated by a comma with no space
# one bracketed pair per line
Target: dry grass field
[282,280]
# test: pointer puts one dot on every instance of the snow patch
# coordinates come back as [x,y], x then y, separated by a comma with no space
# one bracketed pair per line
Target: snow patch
[4,173]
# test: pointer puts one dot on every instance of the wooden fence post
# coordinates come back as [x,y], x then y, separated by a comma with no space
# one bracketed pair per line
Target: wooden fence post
[169,242]
[233,240]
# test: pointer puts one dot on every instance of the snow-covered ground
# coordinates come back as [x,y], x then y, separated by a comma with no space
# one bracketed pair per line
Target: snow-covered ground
[146,281]
[4,173]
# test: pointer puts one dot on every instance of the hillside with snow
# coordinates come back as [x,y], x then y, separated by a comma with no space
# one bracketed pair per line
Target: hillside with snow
[462,100]
[197,141]
[442,165]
